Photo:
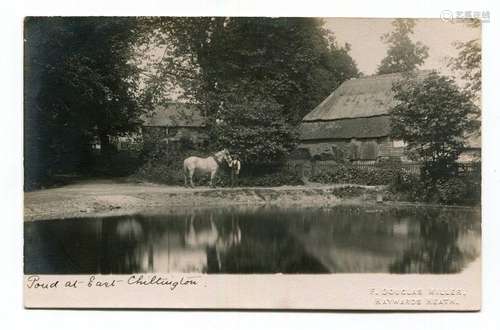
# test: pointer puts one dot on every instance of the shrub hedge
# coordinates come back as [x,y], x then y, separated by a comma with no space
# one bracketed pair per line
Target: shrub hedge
[364,176]
[463,190]
[164,173]
[164,166]
[405,186]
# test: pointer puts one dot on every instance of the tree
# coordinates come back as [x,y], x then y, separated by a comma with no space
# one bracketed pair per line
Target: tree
[468,62]
[253,125]
[403,54]
[260,68]
[433,116]
[79,83]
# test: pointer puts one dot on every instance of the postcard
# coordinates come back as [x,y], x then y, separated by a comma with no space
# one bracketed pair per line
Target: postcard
[253,163]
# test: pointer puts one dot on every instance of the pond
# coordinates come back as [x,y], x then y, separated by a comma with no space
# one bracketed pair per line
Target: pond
[246,240]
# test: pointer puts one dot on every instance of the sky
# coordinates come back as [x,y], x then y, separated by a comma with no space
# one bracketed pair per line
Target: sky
[368,50]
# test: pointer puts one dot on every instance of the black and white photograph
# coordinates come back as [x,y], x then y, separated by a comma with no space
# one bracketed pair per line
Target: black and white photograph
[169,151]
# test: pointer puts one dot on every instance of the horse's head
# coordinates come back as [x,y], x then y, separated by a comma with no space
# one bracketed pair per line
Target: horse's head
[227,157]
[223,155]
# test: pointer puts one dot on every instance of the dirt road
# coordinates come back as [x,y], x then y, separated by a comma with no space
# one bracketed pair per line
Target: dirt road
[108,197]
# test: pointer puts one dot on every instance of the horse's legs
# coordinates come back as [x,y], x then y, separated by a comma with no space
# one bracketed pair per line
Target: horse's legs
[191,173]
[212,176]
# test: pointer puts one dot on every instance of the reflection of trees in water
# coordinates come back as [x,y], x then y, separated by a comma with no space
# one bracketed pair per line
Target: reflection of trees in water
[438,251]
[120,239]
[266,247]
[188,243]
[337,240]
[355,240]
[62,247]
[344,239]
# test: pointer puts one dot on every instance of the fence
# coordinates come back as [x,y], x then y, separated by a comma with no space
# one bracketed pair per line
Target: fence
[309,168]
[324,166]
[469,168]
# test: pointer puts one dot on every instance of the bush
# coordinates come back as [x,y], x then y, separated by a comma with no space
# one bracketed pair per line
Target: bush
[348,192]
[160,173]
[118,163]
[405,181]
[411,187]
[280,178]
[456,190]
[451,191]
[300,153]
[172,173]
[324,156]
[459,190]
[405,186]
[364,176]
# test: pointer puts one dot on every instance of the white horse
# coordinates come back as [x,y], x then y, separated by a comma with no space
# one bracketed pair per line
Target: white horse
[204,165]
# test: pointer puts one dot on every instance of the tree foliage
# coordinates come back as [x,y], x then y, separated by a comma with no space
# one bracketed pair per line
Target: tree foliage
[403,54]
[79,83]
[253,126]
[468,62]
[269,72]
[433,116]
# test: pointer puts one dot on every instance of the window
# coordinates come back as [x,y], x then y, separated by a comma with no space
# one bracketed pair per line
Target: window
[369,150]
[338,153]
[354,151]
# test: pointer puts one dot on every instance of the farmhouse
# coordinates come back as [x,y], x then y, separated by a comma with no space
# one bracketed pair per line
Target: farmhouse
[353,123]
[174,122]
[472,152]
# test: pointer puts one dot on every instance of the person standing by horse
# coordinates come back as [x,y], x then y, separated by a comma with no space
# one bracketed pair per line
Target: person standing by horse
[235,167]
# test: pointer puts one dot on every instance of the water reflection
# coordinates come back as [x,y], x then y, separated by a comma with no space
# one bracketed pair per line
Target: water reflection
[443,247]
[259,240]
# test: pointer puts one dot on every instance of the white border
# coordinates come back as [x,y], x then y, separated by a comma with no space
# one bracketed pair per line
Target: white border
[11,169]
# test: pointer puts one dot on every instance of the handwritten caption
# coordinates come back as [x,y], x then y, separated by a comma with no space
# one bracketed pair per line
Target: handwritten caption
[94,281]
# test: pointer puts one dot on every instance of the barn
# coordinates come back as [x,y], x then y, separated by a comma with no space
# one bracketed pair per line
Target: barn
[353,122]
[175,122]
